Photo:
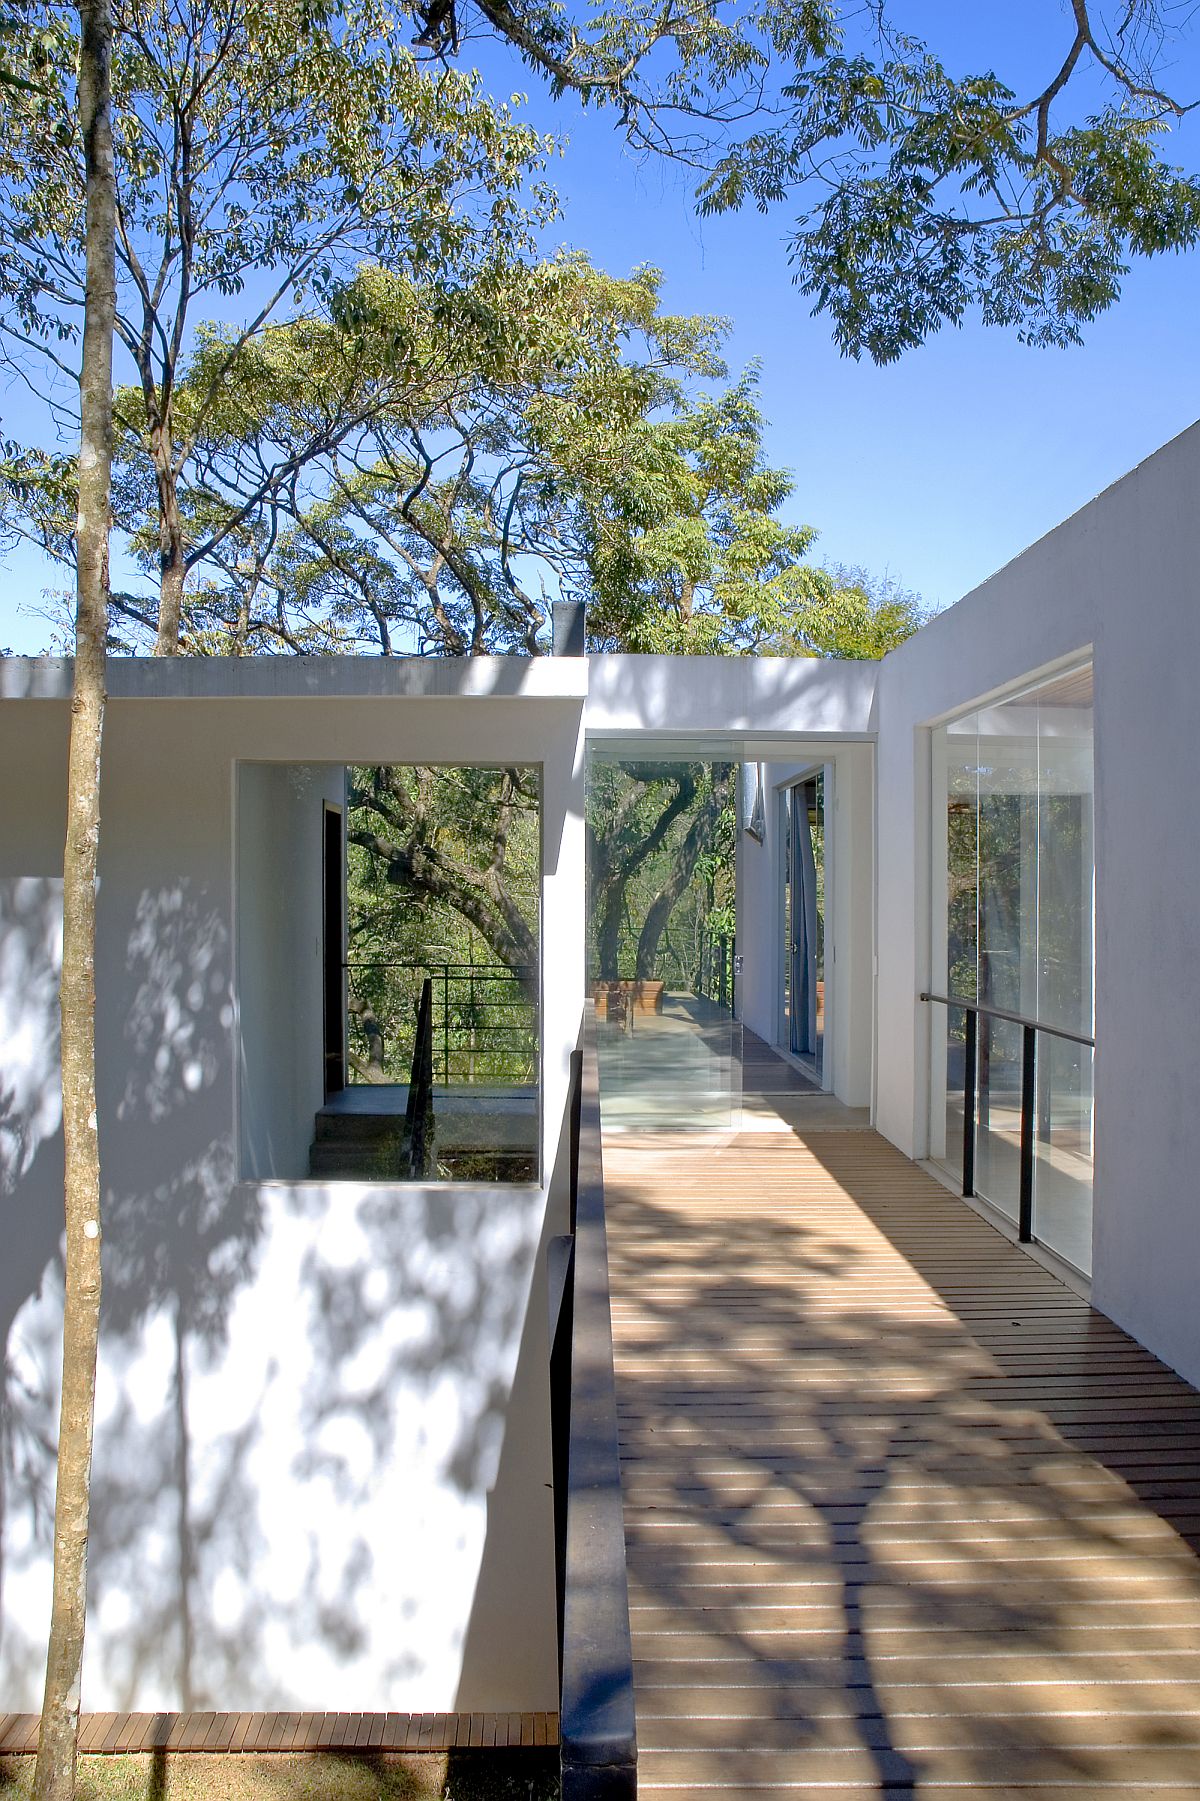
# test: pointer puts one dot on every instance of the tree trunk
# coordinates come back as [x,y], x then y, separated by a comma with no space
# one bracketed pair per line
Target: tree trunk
[172,563]
[614,865]
[54,1777]
[683,864]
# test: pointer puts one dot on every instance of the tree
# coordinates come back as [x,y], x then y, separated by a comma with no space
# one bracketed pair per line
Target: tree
[925,193]
[263,148]
[541,432]
[630,814]
[689,848]
[453,837]
[54,1777]
[494,414]
[250,139]
[443,879]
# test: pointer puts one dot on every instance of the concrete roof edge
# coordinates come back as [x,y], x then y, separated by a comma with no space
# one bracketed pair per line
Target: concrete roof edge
[306,678]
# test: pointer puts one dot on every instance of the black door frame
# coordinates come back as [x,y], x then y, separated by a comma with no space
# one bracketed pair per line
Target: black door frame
[333,947]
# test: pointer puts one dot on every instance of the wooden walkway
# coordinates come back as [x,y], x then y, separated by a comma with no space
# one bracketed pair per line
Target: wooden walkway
[904,1515]
[230,1733]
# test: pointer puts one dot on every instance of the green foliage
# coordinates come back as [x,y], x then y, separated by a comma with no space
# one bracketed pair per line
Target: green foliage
[924,192]
[661,839]
[264,149]
[447,433]
[472,452]
[444,879]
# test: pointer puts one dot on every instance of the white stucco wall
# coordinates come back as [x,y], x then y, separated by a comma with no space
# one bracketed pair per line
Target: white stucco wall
[322,1455]
[716,698]
[1121,576]
[278,858]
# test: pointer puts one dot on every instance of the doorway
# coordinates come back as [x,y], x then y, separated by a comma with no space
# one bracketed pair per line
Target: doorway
[662,940]
[333,880]
[802,831]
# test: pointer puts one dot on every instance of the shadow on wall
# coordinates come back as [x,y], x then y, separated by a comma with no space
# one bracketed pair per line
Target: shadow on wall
[302,1391]
[31,1177]
[516,1581]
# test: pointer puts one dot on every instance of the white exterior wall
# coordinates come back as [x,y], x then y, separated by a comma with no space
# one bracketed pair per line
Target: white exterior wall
[322,1441]
[279,869]
[713,699]
[1121,576]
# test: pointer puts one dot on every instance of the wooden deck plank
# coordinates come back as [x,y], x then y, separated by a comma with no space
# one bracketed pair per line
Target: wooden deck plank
[237,1738]
[230,1733]
[219,1733]
[121,1726]
[901,1509]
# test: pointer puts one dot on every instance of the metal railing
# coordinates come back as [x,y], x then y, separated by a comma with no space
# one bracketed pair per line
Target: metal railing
[715,974]
[597,1728]
[1030,1029]
[418,1147]
[484,1020]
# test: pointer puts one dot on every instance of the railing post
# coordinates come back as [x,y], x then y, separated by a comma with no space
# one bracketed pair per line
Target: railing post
[968,1164]
[560,1269]
[1028,1093]
[597,1719]
[576,1117]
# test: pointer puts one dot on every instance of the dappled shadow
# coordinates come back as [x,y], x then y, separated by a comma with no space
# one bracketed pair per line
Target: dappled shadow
[31,1175]
[302,1391]
[865,1545]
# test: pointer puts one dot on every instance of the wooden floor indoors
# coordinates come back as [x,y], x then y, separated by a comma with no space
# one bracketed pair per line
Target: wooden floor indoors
[904,1515]
[120,1733]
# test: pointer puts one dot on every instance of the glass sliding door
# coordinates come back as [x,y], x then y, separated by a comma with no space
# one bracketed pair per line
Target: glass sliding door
[1013,932]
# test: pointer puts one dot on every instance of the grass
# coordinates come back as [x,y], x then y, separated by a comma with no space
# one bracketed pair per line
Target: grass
[304,1776]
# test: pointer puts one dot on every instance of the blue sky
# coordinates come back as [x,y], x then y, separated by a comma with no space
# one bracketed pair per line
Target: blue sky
[940,468]
[935,470]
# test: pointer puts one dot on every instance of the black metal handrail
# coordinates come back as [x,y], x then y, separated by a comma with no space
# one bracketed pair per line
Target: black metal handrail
[483,1014]
[715,975]
[597,1727]
[1016,1019]
[1030,1028]
[418,1151]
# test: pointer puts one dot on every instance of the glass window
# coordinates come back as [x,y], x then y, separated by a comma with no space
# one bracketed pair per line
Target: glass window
[1013,930]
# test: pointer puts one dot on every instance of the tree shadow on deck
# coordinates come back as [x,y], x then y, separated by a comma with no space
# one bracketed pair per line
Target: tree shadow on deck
[843,1532]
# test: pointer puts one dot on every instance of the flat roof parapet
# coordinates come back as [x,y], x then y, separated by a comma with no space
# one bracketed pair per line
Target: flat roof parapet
[299,678]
